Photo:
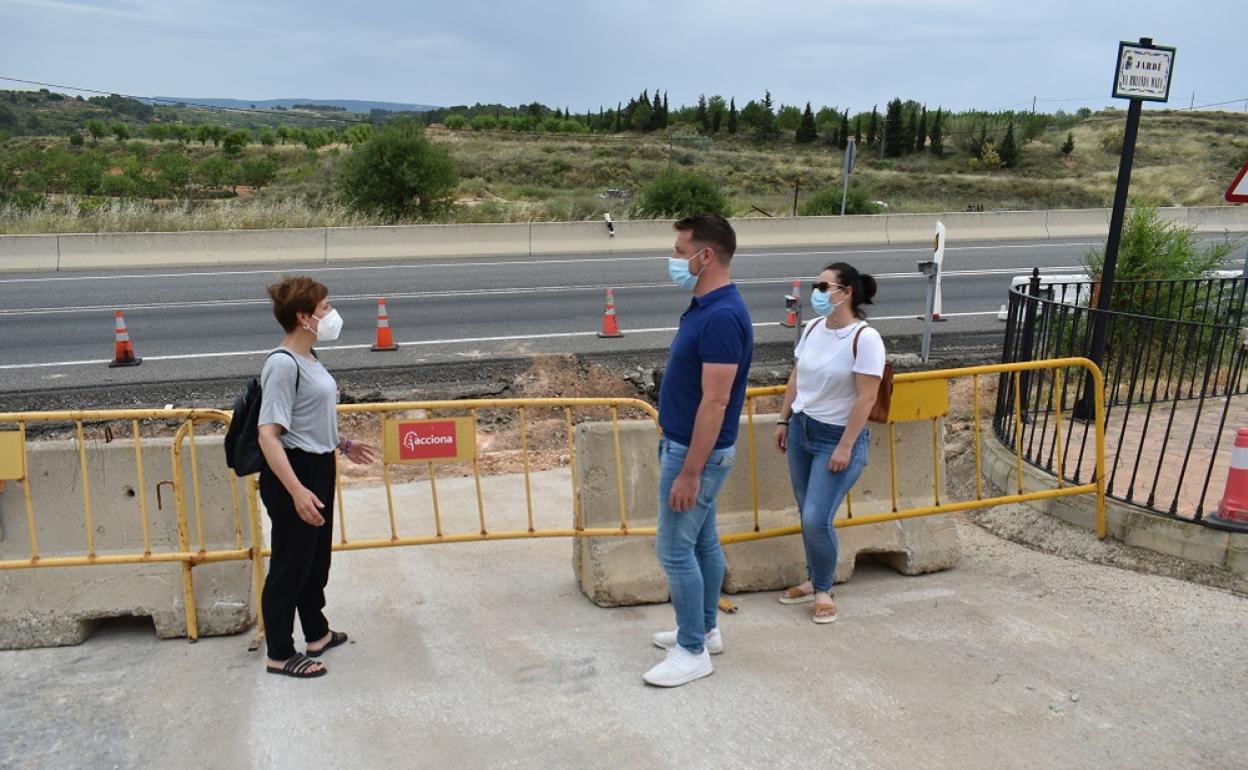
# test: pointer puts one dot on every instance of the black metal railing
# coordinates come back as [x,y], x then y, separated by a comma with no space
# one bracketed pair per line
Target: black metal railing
[1174,365]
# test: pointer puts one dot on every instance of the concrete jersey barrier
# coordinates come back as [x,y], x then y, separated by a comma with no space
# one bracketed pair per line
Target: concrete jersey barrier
[45,253]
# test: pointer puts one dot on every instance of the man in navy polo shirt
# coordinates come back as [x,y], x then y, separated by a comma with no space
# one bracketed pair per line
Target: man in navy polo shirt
[699,408]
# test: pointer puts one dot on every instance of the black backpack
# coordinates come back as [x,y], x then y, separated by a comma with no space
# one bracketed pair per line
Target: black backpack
[242,440]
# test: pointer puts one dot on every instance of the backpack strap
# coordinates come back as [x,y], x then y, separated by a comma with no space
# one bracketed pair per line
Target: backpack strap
[292,358]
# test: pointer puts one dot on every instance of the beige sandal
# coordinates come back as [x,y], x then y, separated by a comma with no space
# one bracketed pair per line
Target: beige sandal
[795,595]
[824,613]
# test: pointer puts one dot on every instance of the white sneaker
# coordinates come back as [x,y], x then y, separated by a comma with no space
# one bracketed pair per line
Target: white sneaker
[680,667]
[714,642]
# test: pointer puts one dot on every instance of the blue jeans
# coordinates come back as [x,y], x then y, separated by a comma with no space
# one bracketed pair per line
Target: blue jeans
[688,543]
[819,491]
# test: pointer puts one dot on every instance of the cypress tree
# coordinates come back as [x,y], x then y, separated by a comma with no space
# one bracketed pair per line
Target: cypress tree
[938,137]
[702,116]
[767,121]
[894,130]
[665,121]
[1009,149]
[912,130]
[858,130]
[1069,145]
[843,139]
[920,135]
[732,115]
[873,125]
[618,126]
[807,132]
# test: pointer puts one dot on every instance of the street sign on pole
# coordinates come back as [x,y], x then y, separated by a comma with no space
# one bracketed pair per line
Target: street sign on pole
[851,152]
[1238,191]
[1143,71]
[1142,74]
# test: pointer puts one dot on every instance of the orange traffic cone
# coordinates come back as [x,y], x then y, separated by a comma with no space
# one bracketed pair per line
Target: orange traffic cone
[124,349]
[1233,510]
[791,320]
[385,341]
[610,328]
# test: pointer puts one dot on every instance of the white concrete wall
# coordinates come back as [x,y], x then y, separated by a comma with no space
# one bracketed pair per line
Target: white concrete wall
[335,245]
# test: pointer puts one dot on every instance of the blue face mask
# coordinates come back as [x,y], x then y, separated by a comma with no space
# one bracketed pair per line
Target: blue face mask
[822,304]
[678,271]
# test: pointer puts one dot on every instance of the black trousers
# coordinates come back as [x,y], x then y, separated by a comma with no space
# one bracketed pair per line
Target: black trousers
[299,566]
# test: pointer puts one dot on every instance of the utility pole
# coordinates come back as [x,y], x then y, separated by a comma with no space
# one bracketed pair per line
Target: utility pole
[1033,105]
[797,185]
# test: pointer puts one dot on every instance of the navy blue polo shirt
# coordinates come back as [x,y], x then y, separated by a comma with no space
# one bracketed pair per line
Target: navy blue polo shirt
[716,329]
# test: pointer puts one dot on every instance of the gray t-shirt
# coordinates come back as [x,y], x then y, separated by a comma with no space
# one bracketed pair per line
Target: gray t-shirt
[309,415]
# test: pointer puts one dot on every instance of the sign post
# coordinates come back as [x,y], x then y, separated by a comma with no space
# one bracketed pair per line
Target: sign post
[1143,74]
[851,152]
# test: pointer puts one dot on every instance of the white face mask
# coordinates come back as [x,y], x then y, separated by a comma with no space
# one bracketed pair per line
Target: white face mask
[328,327]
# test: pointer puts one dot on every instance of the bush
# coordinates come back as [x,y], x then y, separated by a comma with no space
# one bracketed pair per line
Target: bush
[1069,145]
[677,193]
[828,203]
[455,122]
[1154,249]
[399,171]
[1112,141]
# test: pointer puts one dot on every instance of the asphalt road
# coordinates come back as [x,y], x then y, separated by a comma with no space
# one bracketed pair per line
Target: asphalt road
[57,329]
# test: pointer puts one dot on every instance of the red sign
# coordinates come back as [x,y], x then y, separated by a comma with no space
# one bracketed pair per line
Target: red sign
[428,440]
[1238,191]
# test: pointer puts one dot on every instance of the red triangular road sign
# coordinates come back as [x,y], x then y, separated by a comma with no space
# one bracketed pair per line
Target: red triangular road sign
[1238,191]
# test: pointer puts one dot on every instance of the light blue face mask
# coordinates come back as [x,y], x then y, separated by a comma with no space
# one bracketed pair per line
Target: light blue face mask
[678,271]
[821,302]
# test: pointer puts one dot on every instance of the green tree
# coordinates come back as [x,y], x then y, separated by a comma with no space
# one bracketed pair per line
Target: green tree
[788,119]
[843,138]
[268,137]
[75,139]
[873,125]
[455,122]
[732,115]
[234,142]
[214,171]
[1068,146]
[400,171]
[894,130]
[806,132]
[912,130]
[358,134]
[97,130]
[766,123]
[938,136]
[181,132]
[484,123]
[258,172]
[203,133]
[676,193]
[172,170]
[87,173]
[1009,149]
[703,116]
[284,133]
[157,132]
[858,130]
[120,130]
[718,109]
[920,134]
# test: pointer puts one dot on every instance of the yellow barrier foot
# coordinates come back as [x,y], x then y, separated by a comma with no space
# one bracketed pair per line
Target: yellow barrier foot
[726,606]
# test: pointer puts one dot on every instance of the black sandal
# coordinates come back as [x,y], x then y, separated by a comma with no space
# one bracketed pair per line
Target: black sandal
[299,666]
[335,638]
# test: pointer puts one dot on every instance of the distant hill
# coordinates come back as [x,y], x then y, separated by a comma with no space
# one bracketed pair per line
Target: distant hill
[350,105]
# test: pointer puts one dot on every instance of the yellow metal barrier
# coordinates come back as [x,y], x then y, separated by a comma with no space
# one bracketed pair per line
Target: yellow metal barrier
[917,396]
[925,396]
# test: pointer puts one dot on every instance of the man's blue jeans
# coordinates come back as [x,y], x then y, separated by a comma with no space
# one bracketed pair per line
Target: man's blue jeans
[688,543]
[819,491]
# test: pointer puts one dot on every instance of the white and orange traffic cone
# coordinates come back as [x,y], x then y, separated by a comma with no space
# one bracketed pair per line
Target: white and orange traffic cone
[385,340]
[610,327]
[123,354]
[793,317]
[1233,510]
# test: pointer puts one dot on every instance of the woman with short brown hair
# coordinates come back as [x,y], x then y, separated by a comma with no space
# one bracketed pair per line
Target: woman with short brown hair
[298,433]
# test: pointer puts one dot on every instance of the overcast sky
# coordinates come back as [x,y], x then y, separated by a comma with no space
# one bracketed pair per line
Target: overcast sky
[990,54]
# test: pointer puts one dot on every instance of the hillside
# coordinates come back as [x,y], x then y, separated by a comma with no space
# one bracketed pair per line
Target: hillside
[347,105]
[278,169]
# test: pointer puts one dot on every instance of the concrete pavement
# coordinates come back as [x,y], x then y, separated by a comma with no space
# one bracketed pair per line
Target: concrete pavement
[487,655]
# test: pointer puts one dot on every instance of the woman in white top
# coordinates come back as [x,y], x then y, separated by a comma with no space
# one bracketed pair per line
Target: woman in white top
[822,425]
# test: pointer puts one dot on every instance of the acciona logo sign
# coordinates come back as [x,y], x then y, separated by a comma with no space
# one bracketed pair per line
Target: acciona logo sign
[431,440]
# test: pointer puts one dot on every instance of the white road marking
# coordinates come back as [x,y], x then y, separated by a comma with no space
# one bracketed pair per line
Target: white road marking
[368,298]
[425,343]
